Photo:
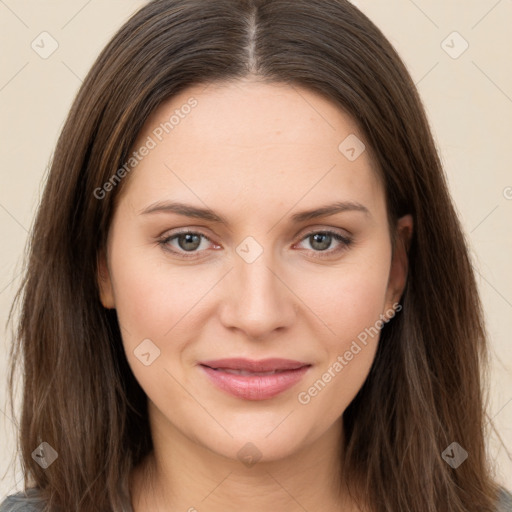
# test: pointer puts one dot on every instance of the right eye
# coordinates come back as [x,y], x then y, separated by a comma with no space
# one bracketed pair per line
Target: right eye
[186,242]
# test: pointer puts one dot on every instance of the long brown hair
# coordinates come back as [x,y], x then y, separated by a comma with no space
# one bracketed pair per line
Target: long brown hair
[424,390]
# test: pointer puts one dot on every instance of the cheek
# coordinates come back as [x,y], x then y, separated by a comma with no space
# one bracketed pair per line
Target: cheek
[151,295]
[141,298]
[349,298]
[348,355]
[333,387]
[155,309]
[350,302]
[161,302]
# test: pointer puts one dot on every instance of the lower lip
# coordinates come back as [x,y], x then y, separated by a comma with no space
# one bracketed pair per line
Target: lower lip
[255,387]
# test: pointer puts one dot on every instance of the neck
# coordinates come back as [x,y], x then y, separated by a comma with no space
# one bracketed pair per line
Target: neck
[180,474]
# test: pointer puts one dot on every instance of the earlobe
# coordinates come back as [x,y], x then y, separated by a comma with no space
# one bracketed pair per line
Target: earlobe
[400,261]
[105,283]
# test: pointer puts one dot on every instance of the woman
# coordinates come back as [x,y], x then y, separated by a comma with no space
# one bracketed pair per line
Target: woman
[247,284]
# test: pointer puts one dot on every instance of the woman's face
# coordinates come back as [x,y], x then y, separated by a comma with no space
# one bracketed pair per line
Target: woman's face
[256,277]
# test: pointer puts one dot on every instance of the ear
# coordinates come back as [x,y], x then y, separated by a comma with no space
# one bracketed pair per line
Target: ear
[105,282]
[399,262]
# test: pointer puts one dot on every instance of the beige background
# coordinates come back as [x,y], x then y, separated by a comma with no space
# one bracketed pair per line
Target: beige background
[468,100]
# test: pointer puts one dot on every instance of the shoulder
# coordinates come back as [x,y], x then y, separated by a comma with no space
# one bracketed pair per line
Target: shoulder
[29,501]
[504,501]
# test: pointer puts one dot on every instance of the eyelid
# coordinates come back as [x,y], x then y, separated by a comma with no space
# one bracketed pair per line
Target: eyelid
[325,229]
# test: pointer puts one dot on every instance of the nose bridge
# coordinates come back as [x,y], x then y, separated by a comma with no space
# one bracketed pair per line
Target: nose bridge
[258,284]
[260,302]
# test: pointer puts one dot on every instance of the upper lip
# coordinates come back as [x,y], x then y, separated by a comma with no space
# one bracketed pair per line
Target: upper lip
[250,365]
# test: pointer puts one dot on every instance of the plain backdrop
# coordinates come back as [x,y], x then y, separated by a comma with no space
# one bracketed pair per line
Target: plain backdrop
[458,53]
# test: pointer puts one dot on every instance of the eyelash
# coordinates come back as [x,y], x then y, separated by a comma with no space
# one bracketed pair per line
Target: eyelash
[344,240]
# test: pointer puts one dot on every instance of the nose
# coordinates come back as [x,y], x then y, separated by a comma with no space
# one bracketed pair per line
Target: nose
[258,301]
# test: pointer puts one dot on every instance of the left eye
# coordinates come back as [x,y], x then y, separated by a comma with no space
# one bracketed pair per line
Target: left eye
[190,242]
[322,240]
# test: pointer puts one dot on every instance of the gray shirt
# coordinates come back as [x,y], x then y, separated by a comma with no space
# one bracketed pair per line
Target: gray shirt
[30,502]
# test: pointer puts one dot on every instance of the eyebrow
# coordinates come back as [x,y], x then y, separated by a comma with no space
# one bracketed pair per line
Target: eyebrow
[209,215]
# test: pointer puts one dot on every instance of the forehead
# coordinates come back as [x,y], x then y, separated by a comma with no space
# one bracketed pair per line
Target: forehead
[254,139]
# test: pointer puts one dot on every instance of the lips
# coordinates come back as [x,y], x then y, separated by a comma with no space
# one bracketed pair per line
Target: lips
[245,372]
[254,380]
[248,365]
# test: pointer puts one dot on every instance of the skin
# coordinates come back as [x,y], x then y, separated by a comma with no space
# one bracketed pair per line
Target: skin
[256,154]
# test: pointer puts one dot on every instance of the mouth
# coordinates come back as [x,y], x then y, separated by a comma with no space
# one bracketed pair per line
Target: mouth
[245,372]
[250,365]
[254,380]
